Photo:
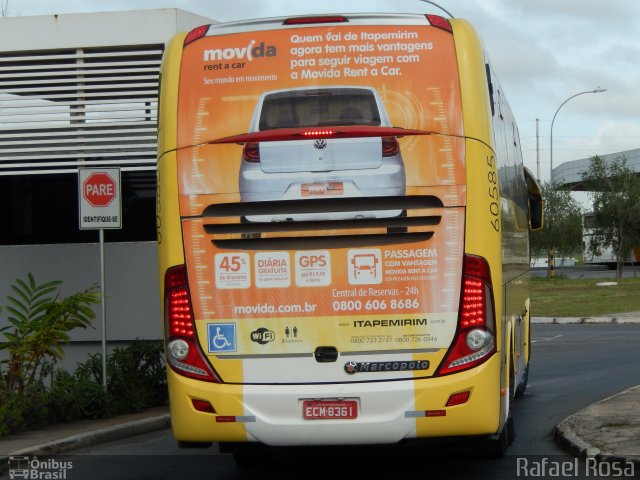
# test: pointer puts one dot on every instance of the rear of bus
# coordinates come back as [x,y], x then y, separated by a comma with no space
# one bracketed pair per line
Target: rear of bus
[321,307]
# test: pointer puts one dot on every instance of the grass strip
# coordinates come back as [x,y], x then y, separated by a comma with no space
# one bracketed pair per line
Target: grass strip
[564,297]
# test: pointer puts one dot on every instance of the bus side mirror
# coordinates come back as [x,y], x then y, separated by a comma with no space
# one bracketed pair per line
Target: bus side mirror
[535,201]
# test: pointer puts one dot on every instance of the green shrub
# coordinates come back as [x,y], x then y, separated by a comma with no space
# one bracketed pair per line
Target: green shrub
[136,380]
[33,394]
[39,325]
[136,377]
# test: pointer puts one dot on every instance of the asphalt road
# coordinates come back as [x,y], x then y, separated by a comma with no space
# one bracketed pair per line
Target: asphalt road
[573,366]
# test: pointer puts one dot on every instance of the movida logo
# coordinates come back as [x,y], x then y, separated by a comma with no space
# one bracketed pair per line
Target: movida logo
[251,51]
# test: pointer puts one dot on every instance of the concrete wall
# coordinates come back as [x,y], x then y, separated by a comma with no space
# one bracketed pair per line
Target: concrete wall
[131,288]
[85,30]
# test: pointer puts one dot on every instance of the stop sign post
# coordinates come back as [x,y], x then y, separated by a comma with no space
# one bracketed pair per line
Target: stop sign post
[100,208]
[99,198]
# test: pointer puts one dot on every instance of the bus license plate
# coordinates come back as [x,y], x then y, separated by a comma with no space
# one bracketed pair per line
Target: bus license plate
[329,409]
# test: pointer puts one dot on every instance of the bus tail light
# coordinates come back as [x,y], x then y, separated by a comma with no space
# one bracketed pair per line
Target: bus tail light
[315,20]
[195,34]
[184,355]
[440,22]
[474,342]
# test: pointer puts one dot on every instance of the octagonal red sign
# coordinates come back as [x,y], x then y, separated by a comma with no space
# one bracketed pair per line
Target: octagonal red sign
[99,189]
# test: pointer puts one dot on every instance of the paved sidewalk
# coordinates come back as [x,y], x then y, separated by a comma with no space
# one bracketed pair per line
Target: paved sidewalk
[608,430]
[69,436]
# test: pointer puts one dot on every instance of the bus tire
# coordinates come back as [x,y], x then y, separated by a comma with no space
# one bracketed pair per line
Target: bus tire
[497,447]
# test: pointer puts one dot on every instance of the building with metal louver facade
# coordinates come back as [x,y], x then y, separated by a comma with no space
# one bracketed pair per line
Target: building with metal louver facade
[80,90]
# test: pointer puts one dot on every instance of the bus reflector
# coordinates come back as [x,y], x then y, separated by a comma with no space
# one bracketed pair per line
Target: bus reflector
[435,413]
[425,413]
[202,406]
[235,418]
[458,399]
[225,419]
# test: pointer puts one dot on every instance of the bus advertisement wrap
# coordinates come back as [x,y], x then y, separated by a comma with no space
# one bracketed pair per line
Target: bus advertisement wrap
[358,294]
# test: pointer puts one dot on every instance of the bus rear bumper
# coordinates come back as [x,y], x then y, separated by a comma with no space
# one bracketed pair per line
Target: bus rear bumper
[388,412]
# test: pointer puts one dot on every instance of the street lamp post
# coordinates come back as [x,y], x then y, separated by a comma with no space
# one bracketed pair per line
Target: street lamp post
[595,90]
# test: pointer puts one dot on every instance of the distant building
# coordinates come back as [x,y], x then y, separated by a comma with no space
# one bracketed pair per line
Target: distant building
[81,90]
[570,173]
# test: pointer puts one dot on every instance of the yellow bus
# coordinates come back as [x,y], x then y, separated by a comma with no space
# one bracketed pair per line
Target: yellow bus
[343,233]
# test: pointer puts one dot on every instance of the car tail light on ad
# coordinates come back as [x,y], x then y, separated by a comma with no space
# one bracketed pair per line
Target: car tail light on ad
[251,152]
[474,342]
[390,146]
[183,352]
[317,133]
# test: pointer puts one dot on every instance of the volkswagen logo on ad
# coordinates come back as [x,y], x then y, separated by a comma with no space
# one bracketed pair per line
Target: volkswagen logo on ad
[320,144]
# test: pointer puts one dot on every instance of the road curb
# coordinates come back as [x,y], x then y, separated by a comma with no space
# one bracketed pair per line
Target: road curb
[571,443]
[88,439]
[584,320]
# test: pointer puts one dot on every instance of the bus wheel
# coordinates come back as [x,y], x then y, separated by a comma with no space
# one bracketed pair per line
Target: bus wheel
[497,447]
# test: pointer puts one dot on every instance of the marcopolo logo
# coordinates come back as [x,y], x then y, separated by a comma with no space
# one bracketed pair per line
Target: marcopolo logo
[251,51]
[394,366]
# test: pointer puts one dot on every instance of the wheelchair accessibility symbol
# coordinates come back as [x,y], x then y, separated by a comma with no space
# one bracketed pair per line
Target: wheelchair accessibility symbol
[222,337]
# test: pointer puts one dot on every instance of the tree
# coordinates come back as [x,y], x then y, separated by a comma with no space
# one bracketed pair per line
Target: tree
[615,192]
[562,231]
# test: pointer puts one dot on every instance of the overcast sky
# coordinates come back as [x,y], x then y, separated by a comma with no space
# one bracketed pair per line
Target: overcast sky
[544,51]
